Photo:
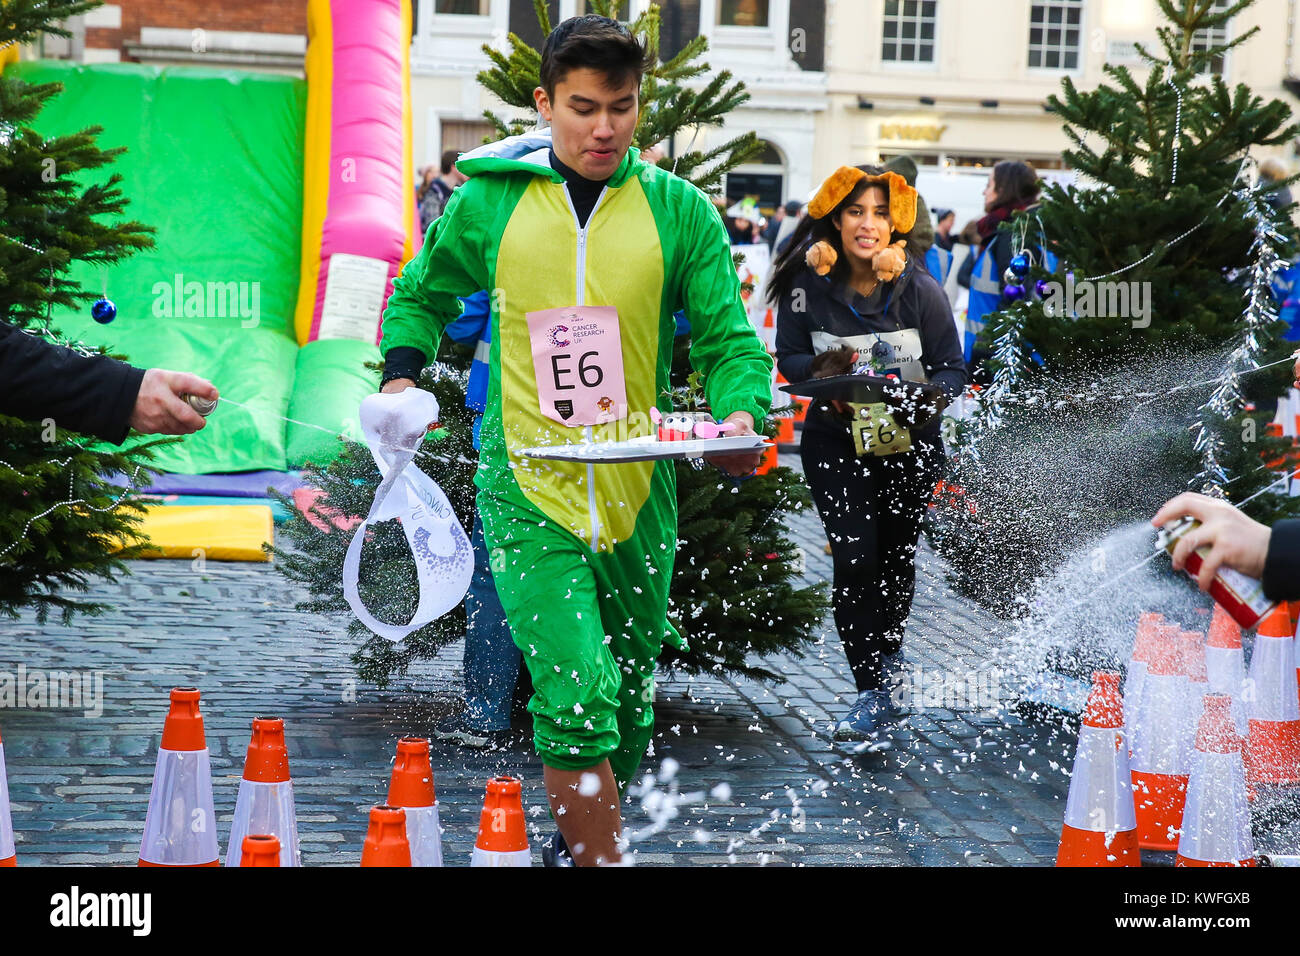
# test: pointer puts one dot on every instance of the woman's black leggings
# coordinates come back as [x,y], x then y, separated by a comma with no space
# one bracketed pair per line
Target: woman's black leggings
[871,508]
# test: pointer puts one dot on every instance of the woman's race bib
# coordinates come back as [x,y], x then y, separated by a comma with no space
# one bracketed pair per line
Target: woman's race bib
[578,364]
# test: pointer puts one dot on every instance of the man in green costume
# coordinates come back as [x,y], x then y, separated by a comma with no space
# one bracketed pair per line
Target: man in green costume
[587,252]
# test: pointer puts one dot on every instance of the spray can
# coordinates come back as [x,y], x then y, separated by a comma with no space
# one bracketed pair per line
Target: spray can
[1239,595]
[204,406]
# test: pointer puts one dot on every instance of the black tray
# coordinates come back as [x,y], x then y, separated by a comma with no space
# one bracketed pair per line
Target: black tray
[913,404]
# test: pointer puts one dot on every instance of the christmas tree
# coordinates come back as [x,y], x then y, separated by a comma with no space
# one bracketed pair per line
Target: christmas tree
[62,521]
[1150,360]
[736,591]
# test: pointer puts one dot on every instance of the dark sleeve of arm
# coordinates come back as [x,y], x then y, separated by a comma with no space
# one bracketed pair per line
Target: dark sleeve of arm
[942,352]
[39,380]
[1282,566]
[403,361]
[794,348]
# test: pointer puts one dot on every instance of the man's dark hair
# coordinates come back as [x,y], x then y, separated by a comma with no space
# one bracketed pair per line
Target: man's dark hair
[792,207]
[449,160]
[594,43]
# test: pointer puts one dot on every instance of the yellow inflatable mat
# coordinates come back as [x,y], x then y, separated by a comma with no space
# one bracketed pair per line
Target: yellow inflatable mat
[215,533]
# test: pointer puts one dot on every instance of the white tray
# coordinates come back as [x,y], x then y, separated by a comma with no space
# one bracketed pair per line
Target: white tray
[647,449]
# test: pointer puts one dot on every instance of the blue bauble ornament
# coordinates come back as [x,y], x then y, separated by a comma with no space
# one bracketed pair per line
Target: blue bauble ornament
[1014,292]
[1020,265]
[103,311]
[1042,287]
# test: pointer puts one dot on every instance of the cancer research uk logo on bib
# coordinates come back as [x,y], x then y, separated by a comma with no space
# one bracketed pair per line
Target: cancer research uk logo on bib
[557,337]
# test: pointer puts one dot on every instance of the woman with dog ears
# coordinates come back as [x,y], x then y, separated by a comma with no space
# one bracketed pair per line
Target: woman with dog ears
[850,297]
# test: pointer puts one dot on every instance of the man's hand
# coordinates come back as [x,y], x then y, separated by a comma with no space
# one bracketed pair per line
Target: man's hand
[746,462]
[397,385]
[1296,372]
[159,408]
[1234,539]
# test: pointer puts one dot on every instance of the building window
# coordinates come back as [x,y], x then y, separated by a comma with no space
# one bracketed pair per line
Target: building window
[1212,37]
[1055,30]
[472,8]
[908,31]
[621,11]
[742,13]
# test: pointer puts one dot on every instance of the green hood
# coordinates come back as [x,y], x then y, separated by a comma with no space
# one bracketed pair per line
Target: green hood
[530,153]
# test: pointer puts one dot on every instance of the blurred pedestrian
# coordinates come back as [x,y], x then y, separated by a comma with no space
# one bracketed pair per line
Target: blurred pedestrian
[434,191]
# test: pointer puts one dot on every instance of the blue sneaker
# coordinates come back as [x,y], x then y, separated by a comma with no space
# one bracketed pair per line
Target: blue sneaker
[893,664]
[870,717]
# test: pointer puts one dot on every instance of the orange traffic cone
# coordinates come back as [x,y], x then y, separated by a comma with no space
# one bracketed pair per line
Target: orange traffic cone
[1160,750]
[1224,664]
[265,801]
[1192,647]
[259,849]
[411,788]
[386,838]
[1272,704]
[1216,820]
[1100,826]
[179,828]
[8,856]
[502,837]
[1148,636]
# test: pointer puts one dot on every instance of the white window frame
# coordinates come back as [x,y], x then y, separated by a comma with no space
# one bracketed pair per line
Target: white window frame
[451,42]
[1081,51]
[911,66]
[569,8]
[1208,37]
[763,48]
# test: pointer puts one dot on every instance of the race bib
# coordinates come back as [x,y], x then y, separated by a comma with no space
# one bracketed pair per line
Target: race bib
[876,433]
[578,364]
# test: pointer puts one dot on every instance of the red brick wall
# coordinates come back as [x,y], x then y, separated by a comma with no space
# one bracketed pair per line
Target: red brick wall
[253,16]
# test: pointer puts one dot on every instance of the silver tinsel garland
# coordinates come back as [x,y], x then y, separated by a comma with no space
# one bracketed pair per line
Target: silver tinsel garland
[1226,400]
[1009,357]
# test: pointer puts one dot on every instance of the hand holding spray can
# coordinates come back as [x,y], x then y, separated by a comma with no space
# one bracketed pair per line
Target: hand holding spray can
[1239,595]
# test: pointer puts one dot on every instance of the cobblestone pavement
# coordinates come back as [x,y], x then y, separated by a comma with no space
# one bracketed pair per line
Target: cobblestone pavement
[740,772]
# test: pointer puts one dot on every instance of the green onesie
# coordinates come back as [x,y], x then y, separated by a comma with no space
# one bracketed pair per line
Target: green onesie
[582,554]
